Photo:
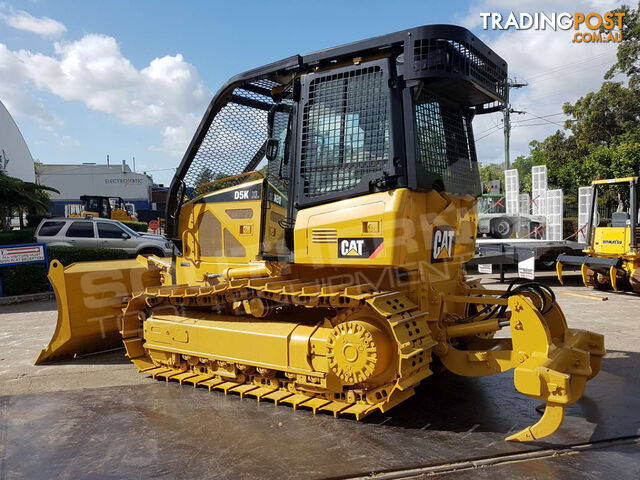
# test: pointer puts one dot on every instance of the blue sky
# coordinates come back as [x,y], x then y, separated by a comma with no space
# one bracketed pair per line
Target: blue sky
[81,82]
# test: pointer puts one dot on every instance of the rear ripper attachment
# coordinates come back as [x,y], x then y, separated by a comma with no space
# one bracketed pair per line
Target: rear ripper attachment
[551,362]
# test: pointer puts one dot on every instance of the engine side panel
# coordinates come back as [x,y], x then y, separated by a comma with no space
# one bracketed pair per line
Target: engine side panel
[401,228]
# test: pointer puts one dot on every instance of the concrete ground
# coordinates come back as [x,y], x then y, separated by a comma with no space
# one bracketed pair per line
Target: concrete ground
[95,417]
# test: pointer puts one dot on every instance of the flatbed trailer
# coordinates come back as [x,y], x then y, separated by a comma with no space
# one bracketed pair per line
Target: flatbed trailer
[512,251]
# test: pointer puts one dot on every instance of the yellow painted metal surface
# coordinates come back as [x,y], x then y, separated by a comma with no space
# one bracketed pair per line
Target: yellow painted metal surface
[611,241]
[90,298]
[217,235]
[614,180]
[402,224]
[376,289]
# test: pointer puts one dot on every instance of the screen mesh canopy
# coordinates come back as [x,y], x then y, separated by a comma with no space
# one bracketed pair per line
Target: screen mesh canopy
[345,131]
[445,151]
[439,54]
[236,139]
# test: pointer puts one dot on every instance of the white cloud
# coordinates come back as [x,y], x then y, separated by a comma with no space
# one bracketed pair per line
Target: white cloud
[15,94]
[556,69]
[167,94]
[68,142]
[177,138]
[43,26]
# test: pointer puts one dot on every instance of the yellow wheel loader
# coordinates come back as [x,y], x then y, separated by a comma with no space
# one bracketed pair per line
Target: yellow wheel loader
[612,257]
[321,217]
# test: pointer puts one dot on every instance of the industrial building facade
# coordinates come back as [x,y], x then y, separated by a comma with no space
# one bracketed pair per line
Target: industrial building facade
[74,180]
[15,158]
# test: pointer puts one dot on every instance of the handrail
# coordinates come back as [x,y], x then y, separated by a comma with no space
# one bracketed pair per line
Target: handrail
[226,179]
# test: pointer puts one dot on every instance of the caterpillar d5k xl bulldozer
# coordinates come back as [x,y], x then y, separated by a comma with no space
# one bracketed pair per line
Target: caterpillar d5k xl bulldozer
[612,257]
[320,218]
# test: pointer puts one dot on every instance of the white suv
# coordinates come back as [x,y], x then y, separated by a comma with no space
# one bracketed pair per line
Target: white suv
[99,233]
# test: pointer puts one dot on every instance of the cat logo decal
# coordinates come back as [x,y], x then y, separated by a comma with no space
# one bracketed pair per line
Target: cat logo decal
[444,240]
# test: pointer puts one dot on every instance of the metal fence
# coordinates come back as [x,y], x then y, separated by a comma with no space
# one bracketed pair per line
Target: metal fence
[605,211]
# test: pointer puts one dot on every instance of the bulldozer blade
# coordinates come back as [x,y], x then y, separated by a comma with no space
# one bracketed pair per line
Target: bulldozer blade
[90,297]
[559,272]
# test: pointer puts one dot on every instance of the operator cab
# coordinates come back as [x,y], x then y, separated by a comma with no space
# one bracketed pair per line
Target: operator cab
[373,116]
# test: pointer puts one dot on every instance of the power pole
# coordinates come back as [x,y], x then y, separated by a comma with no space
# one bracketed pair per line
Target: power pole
[506,113]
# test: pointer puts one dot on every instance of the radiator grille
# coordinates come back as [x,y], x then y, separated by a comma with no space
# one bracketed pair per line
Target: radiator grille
[324,235]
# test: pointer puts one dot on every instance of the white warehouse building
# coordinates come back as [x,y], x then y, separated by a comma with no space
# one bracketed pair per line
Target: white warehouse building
[75,180]
[15,158]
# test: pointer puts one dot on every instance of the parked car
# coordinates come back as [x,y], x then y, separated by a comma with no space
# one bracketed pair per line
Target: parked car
[99,233]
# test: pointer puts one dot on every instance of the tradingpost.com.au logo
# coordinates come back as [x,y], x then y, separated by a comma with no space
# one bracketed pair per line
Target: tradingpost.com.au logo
[592,22]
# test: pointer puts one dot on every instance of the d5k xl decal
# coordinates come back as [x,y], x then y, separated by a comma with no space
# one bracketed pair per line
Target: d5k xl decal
[359,247]
[444,240]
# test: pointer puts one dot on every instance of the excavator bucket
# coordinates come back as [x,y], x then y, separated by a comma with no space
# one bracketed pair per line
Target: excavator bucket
[90,298]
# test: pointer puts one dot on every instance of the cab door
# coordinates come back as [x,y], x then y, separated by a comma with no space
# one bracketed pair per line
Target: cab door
[276,234]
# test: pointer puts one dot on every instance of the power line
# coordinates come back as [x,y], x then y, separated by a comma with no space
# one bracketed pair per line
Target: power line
[530,125]
[565,66]
[489,129]
[161,169]
[485,136]
[544,119]
[539,117]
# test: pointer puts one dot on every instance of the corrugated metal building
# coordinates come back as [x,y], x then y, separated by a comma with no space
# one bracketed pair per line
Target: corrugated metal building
[15,158]
[74,180]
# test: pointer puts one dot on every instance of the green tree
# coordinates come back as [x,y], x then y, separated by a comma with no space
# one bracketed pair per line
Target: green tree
[492,171]
[629,48]
[19,196]
[602,136]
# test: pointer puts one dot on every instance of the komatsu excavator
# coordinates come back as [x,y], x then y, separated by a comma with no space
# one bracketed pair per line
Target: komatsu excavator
[321,217]
[612,256]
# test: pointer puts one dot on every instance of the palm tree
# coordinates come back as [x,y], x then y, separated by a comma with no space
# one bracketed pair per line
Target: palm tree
[20,196]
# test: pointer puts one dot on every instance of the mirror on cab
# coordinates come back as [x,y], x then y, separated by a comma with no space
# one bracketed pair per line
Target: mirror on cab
[272,149]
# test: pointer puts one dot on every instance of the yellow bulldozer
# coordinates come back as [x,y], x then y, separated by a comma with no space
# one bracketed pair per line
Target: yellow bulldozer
[114,208]
[321,217]
[612,257]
